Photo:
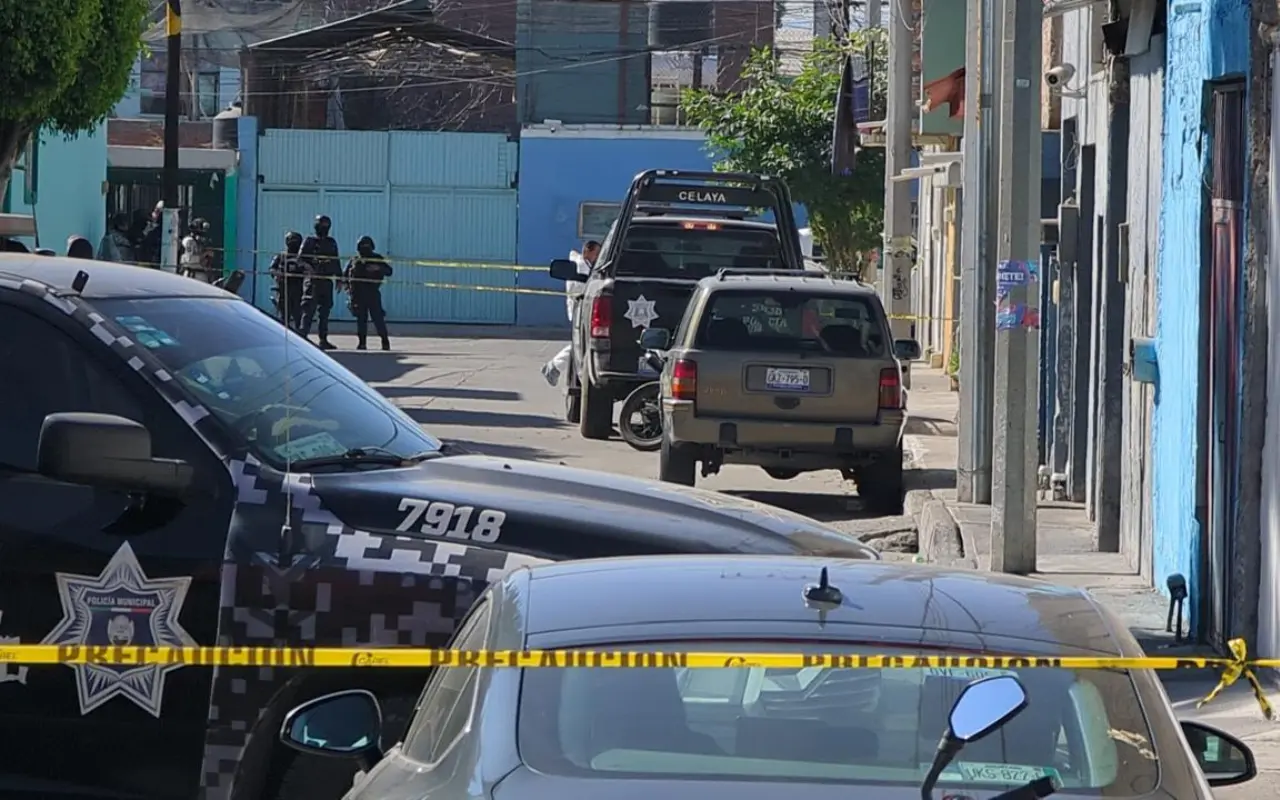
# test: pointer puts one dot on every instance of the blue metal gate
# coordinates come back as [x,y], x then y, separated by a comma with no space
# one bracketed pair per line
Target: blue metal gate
[423,197]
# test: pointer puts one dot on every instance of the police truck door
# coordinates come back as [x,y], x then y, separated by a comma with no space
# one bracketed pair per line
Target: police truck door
[80,565]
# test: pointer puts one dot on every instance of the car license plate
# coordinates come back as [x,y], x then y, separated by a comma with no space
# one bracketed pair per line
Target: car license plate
[787,380]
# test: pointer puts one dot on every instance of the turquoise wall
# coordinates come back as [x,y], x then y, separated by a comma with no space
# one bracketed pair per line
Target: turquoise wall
[71,176]
[1207,40]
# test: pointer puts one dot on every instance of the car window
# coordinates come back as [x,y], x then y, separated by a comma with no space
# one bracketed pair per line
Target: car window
[446,704]
[855,726]
[695,250]
[782,320]
[44,371]
[282,397]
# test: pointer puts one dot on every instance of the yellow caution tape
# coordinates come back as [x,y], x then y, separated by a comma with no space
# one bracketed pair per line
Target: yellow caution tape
[1234,667]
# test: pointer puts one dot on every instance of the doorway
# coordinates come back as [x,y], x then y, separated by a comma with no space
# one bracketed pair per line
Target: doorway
[1220,362]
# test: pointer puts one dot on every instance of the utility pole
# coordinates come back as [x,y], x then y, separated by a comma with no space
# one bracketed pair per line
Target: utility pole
[1017,362]
[977,254]
[895,278]
[172,119]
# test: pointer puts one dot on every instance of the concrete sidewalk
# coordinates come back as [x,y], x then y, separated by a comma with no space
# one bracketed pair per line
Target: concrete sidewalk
[959,534]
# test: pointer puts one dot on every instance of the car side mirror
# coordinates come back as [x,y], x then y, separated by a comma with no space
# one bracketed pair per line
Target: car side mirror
[563,269]
[906,349]
[108,452]
[1224,759]
[655,339]
[984,706]
[346,724]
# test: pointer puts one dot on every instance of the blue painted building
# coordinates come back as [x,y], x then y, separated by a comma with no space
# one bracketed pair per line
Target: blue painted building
[61,182]
[1200,291]
[572,182]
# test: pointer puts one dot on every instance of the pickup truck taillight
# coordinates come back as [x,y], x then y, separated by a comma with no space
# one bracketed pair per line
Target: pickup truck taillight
[684,380]
[601,317]
[890,389]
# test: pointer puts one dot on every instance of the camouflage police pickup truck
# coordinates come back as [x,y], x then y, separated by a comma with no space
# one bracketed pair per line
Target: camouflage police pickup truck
[178,469]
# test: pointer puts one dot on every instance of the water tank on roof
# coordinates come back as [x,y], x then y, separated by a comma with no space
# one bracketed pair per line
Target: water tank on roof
[679,24]
[226,129]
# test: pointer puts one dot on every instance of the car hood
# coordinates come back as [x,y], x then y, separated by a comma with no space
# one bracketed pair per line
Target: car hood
[560,512]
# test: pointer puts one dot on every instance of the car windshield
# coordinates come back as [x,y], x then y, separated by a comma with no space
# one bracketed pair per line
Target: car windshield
[854,726]
[695,250]
[282,397]
[783,320]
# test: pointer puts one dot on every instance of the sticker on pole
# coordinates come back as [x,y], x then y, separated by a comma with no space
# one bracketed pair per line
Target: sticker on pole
[1011,315]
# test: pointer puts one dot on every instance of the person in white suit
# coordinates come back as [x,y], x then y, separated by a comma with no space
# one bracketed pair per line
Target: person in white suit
[559,363]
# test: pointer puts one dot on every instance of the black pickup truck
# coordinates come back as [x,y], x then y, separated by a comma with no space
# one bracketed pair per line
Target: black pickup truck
[675,228]
[177,468]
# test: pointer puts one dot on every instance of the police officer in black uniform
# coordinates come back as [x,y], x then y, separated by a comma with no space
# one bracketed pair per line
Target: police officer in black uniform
[319,256]
[290,275]
[364,276]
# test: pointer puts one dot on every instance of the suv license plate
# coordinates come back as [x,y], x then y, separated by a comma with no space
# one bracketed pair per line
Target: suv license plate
[790,380]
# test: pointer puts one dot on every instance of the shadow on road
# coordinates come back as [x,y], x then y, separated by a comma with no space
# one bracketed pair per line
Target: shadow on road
[468,447]
[929,478]
[479,419]
[822,507]
[451,392]
[929,426]
[378,367]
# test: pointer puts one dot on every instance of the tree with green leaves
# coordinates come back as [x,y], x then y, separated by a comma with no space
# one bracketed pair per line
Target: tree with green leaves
[781,125]
[63,65]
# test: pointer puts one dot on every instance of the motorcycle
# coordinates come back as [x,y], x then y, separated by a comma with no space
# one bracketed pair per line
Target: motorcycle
[640,418]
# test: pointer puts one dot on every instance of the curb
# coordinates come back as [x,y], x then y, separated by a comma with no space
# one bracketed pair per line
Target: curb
[937,531]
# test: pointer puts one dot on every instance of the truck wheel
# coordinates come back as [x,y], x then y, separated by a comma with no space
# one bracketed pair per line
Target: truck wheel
[307,777]
[779,474]
[597,412]
[572,399]
[880,484]
[677,464]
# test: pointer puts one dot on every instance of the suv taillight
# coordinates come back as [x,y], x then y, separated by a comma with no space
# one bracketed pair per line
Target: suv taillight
[601,317]
[890,388]
[684,380]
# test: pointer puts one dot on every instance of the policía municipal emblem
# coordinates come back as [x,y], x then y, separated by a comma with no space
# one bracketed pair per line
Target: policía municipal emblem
[121,607]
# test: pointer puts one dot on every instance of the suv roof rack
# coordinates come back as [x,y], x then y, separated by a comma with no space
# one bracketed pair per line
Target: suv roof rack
[662,209]
[730,272]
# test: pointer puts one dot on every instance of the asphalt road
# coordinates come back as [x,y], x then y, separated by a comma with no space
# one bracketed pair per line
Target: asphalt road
[484,391]
[488,396]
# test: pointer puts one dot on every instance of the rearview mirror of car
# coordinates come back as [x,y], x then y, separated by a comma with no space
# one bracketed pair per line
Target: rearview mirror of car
[1224,759]
[563,269]
[346,724]
[106,451]
[906,349]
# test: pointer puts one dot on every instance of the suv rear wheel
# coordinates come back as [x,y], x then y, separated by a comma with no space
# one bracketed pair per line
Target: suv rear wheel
[677,464]
[880,484]
[597,412]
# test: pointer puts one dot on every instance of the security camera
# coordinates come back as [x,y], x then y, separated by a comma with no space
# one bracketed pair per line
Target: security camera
[1059,76]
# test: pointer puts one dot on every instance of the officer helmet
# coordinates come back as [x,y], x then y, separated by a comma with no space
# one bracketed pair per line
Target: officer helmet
[365,243]
[293,237]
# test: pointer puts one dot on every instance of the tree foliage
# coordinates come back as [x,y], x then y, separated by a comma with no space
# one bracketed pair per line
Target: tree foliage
[781,125]
[63,65]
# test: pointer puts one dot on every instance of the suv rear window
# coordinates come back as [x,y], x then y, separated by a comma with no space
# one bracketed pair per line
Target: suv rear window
[845,325]
[679,250]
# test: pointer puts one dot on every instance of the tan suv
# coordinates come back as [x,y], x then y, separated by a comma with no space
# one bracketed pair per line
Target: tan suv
[790,373]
